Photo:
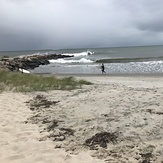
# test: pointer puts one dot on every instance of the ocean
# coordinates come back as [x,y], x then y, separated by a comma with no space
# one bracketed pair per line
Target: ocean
[143,60]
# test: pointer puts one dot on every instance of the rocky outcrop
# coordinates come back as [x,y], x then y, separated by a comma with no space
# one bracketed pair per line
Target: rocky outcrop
[29,62]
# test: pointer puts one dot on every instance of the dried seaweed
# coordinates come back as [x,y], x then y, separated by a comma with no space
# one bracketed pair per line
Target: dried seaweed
[146,157]
[39,102]
[101,139]
[154,112]
[67,131]
[62,135]
[52,125]
[57,137]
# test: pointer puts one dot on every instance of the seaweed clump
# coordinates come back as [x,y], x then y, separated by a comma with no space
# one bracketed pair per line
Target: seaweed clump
[101,139]
[40,101]
[62,135]
[146,157]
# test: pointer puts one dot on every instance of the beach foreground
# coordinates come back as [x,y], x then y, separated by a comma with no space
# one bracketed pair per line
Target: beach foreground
[115,120]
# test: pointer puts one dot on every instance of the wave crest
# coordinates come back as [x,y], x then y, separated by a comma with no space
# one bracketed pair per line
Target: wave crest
[82,60]
[86,53]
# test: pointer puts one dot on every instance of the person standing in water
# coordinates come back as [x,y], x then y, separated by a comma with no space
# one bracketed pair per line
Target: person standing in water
[103,68]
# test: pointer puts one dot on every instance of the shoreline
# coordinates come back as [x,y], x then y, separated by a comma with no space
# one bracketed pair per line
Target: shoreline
[103,75]
[129,107]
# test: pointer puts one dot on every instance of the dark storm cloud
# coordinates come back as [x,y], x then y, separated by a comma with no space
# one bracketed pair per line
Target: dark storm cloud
[42,24]
[146,14]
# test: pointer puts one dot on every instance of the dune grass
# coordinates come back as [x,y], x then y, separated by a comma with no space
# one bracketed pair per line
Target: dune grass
[15,81]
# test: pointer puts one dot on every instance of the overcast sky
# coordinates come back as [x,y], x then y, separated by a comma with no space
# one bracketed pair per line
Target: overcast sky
[55,24]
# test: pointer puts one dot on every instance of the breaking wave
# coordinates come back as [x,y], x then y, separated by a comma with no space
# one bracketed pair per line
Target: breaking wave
[86,53]
[82,60]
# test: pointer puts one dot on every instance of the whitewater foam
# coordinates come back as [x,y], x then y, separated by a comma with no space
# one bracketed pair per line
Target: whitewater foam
[85,53]
[82,60]
[153,62]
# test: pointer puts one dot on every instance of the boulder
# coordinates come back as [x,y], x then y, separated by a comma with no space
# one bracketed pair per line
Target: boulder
[29,62]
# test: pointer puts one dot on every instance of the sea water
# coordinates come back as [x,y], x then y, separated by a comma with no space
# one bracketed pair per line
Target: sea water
[138,60]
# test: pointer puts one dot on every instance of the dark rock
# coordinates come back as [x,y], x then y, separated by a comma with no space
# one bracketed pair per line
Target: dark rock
[29,62]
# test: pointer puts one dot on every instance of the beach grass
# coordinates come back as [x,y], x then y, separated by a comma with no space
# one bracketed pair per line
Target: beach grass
[15,81]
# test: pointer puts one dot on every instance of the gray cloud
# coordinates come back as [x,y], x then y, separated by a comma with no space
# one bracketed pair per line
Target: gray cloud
[42,24]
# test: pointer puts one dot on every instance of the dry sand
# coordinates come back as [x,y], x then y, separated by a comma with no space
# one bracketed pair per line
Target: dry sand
[54,127]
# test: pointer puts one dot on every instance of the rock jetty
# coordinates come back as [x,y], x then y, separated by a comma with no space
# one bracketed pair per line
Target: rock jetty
[28,62]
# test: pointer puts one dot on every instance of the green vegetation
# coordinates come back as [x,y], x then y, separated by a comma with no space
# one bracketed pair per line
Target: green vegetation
[15,81]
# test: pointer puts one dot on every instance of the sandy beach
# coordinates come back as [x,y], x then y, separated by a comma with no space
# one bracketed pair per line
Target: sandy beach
[115,120]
